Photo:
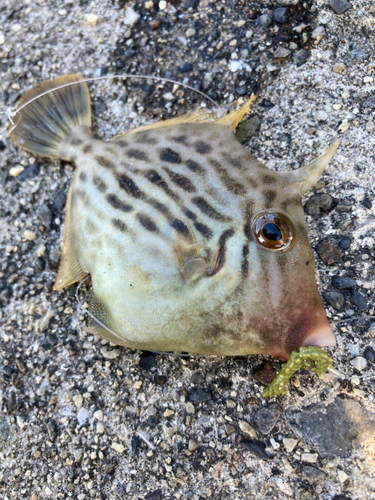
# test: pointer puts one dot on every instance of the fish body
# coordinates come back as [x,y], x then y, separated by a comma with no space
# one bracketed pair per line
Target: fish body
[191,243]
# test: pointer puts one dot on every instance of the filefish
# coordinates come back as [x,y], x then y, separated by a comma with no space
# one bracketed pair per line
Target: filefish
[191,243]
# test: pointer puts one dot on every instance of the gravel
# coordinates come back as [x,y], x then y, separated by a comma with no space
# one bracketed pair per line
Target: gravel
[81,419]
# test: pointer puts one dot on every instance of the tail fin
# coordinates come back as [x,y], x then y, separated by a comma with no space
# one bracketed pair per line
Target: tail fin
[48,113]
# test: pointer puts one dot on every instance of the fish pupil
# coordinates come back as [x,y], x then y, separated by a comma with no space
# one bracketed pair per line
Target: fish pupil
[272,232]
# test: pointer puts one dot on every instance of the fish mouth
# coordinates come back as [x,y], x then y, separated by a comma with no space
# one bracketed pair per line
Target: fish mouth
[321,337]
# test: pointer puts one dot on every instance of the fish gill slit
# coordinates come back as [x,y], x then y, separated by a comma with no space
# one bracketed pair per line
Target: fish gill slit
[220,254]
[245,261]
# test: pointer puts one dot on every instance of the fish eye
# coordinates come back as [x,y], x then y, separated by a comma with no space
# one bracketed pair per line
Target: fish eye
[272,230]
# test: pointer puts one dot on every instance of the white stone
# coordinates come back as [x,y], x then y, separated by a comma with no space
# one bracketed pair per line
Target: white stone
[100,429]
[99,415]
[2,38]
[29,235]
[149,5]
[344,126]
[368,79]
[342,476]
[359,363]
[82,415]
[290,444]
[162,5]
[15,171]
[92,20]
[310,458]
[78,400]
[190,32]
[131,17]
[234,65]
[318,33]
[118,447]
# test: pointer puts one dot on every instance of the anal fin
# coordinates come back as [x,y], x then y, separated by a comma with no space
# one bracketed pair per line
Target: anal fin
[70,269]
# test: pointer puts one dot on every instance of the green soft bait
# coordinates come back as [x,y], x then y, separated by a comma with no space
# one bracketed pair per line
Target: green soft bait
[309,358]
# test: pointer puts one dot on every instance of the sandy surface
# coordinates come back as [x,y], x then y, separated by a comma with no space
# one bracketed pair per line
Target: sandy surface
[84,420]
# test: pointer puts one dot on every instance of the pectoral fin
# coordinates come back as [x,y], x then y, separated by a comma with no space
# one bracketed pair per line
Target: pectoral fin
[70,269]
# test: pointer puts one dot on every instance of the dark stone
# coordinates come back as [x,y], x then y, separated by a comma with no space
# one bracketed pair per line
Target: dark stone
[264,21]
[358,300]
[319,203]
[155,495]
[340,6]
[52,430]
[328,253]
[280,15]
[266,104]
[197,378]
[265,419]
[332,430]
[103,71]
[215,34]
[199,394]
[248,128]
[2,146]
[185,68]
[359,96]
[99,107]
[265,373]
[242,90]
[334,299]
[341,497]
[129,53]
[147,89]
[135,442]
[342,283]
[354,56]
[30,172]
[369,353]
[313,473]
[366,202]
[45,215]
[40,264]
[257,448]
[368,103]
[4,429]
[300,57]
[212,95]
[345,242]
[119,64]
[147,360]
[59,201]
[124,98]
[51,341]
[191,4]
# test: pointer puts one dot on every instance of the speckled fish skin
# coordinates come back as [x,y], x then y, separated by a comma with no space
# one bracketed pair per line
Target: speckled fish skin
[145,206]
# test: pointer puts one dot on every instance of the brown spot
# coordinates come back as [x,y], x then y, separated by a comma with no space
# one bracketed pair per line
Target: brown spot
[270,196]
[253,183]
[202,147]
[181,139]
[239,163]
[136,154]
[115,202]
[80,193]
[180,180]
[180,227]
[170,156]
[100,184]
[82,176]
[129,186]
[144,138]
[160,207]
[203,229]
[75,141]
[104,162]
[195,167]
[207,209]
[157,180]
[249,209]
[268,179]
[147,222]
[87,148]
[122,143]
[119,225]
[231,184]
[245,262]
[110,150]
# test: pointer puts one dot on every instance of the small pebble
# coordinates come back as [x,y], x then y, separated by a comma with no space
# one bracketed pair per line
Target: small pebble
[342,282]
[16,171]
[359,363]
[369,353]
[199,394]
[358,300]
[82,415]
[92,20]
[280,15]
[340,6]
[2,38]
[319,203]
[310,458]
[290,444]
[300,57]
[131,17]
[99,415]
[265,419]
[190,32]
[247,430]
[328,253]
[344,126]
[162,5]
[334,299]
[257,448]
[29,172]
[318,33]
[264,20]
[120,448]
[342,476]
[281,53]
[29,235]
[338,68]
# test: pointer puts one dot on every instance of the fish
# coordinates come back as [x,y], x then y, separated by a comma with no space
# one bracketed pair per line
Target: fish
[192,244]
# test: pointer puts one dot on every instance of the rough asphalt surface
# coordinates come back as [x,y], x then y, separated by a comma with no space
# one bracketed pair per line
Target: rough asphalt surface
[82,419]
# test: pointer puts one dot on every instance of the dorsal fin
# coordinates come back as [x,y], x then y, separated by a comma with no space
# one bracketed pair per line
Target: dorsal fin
[231,120]
[70,269]
[197,116]
[190,262]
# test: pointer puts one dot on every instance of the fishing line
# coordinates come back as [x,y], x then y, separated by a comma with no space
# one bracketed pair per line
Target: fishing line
[12,113]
